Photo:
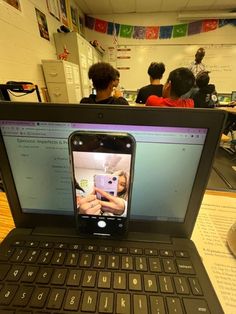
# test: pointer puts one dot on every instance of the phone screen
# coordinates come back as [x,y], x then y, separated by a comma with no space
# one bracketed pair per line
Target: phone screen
[102,175]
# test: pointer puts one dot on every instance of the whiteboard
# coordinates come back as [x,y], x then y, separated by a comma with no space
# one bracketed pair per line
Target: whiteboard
[133,62]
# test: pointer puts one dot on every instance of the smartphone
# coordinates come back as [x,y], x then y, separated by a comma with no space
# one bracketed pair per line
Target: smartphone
[102,166]
[106,182]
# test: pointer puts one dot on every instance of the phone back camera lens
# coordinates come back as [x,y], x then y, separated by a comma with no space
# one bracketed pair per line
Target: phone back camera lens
[110,182]
[114,178]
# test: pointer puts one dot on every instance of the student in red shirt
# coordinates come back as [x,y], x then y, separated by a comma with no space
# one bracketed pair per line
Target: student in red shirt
[179,82]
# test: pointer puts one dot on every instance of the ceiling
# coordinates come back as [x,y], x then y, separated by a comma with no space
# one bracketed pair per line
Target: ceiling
[153,6]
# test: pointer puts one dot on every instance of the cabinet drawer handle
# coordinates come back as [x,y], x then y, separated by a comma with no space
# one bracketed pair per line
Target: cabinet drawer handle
[53,74]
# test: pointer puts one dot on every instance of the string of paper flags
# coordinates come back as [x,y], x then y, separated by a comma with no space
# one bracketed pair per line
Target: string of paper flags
[155,32]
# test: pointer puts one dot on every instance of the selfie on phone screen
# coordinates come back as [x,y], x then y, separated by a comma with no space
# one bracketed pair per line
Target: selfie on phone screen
[102,173]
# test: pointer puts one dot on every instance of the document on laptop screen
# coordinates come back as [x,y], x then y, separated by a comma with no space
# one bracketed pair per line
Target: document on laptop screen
[165,156]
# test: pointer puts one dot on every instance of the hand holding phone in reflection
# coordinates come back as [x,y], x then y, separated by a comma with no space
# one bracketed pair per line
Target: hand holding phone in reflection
[88,205]
[113,205]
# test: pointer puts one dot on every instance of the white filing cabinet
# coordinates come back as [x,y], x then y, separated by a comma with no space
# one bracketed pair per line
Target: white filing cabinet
[63,81]
[81,52]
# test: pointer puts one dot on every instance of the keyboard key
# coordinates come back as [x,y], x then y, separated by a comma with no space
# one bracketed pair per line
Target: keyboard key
[169,266]
[59,276]
[4,268]
[104,280]
[181,285]
[154,264]
[113,262]
[122,250]
[23,296]
[56,298]
[90,248]
[196,306]
[5,255]
[72,259]
[99,261]
[15,273]
[107,249]
[174,306]
[127,263]
[7,293]
[151,252]
[135,282]
[150,283]
[44,275]
[89,279]
[89,301]
[141,263]
[136,251]
[106,302]
[61,246]
[39,297]
[74,278]
[31,243]
[140,304]
[185,266]
[18,255]
[72,300]
[58,258]
[31,256]
[123,303]
[85,260]
[166,253]
[166,284]
[46,245]
[195,286]
[45,257]
[119,281]
[157,305]
[29,274]
[181,254]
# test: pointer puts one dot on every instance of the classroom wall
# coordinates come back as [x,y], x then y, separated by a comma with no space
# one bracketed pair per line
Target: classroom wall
[216,56]
[21,46]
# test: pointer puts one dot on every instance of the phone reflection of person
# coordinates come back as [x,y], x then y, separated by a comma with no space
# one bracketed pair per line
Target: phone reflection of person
[114,206]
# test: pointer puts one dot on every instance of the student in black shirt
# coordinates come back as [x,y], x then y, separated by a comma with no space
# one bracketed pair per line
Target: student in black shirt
[103,76]
[206,96]
[155,72]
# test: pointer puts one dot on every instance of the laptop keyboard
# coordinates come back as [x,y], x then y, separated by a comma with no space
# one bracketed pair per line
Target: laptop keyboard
[47,277]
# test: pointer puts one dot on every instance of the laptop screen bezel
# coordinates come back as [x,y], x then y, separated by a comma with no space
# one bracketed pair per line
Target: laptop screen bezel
[212,120]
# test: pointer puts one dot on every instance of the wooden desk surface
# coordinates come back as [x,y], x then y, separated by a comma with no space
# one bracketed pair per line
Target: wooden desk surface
[7,223]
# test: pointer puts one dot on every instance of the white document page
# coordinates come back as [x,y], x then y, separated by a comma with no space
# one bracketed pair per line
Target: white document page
[215,218]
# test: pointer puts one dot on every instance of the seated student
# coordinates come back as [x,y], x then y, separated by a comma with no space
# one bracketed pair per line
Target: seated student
[103,76]
[155,71]
[206,96]
[179,82]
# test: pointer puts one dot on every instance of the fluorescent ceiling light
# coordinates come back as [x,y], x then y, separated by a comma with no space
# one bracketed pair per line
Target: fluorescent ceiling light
[197,15]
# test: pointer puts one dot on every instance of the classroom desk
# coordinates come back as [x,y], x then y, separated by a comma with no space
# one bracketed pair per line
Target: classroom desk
[7,224]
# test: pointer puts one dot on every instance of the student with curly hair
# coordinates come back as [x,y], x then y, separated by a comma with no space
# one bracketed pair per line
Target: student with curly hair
[103,76]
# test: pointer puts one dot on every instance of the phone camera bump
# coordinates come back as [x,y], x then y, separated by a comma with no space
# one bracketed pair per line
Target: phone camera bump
[114,178]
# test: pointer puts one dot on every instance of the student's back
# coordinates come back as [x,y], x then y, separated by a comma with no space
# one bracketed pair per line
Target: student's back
[155,72]
[206,96]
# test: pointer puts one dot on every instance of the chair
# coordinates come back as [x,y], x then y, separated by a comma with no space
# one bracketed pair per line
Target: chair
[13,87]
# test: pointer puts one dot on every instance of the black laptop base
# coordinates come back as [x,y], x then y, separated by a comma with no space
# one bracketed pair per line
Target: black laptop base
[46,274]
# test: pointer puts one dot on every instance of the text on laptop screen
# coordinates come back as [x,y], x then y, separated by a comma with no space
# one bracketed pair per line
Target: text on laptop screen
[166,162]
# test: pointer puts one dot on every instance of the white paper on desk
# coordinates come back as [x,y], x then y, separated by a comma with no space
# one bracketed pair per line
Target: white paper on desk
[216,216]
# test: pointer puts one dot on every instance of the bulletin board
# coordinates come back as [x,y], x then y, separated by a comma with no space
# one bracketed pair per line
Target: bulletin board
[133,62]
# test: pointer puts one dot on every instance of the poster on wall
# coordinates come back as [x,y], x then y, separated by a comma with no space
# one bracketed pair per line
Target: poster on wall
[74,18]
[53,8]
[63,11]
[42,24]
[14,3]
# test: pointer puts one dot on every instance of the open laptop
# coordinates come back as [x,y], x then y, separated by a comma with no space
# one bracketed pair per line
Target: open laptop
[46,267]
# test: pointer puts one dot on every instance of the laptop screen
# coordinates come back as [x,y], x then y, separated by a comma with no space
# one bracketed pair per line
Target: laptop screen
[166,162]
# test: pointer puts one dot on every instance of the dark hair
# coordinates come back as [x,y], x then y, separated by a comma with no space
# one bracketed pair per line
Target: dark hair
[202,79]
[156,70]
[101,74]
[182,80]
[117,73]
